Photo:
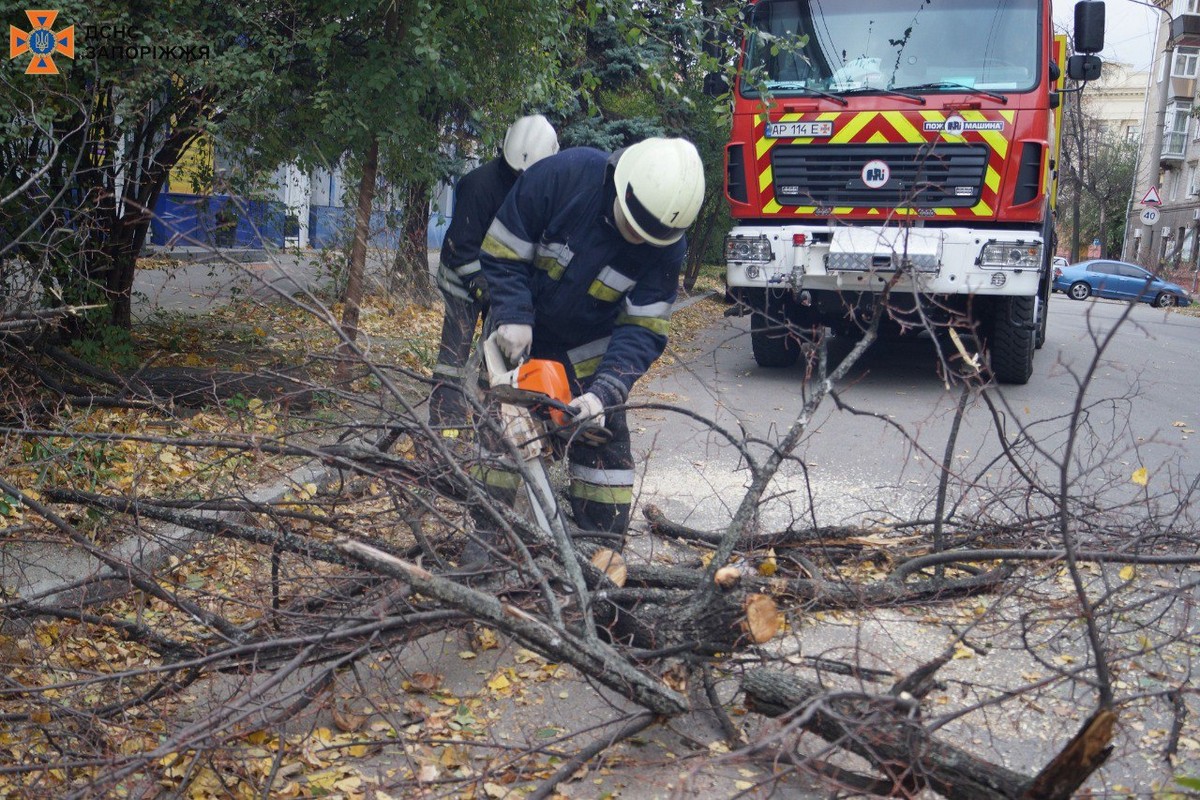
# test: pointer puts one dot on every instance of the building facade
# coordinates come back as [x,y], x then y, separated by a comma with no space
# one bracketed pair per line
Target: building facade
[1166,235]
[295,208]
[1113,111]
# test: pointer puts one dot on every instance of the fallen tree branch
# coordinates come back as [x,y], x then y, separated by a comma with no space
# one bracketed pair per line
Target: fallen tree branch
[1098,556]
[662,525]
[819,594]
[895,745]
[602,743]
[593,658]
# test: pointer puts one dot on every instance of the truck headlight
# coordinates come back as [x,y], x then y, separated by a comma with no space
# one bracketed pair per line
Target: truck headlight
[748,248]
[1011,255]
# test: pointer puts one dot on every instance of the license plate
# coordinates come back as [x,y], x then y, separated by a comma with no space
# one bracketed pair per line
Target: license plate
[799,130]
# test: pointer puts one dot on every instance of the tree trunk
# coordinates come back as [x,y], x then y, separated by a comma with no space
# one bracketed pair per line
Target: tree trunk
[352,300]
[410,269]
[699,245]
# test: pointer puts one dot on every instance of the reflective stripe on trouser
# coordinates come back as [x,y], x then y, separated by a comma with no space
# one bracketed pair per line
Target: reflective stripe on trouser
[602,479]
[500,482]
[447,404]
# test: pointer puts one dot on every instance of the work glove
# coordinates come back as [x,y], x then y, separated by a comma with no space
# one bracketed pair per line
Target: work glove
[477,290]
[514,341]
[589,410]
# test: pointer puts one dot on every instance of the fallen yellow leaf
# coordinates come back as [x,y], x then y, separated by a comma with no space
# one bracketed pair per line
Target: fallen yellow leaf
[1127,572]
[768,566]
[1140,476]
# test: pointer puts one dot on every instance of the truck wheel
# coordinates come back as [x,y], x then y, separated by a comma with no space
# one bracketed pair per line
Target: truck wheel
[773,345]
[1013,339]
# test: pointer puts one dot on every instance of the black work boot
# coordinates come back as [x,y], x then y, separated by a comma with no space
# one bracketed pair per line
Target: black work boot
[474,555]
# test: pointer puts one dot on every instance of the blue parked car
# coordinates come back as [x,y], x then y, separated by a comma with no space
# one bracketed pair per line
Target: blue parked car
[1118,281]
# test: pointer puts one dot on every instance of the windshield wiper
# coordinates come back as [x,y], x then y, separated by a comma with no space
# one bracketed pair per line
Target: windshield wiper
[954,85]
[897,92]
[800,87]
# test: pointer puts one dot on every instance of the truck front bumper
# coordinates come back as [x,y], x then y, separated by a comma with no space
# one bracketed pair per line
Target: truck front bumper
[975,261]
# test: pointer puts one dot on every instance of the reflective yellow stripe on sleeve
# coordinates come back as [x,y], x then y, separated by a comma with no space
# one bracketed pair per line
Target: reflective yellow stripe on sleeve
[654,316]
[500,242]
[610,285]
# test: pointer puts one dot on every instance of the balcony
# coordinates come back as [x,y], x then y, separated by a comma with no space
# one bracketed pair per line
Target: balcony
[1182,88]
[1173,148]
[1185,30]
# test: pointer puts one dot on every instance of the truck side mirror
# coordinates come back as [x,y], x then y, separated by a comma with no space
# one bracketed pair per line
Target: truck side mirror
[715,84]
[1089,26]
[1084,68]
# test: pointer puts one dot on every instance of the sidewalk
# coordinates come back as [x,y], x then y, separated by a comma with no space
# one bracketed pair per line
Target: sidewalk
[199,279]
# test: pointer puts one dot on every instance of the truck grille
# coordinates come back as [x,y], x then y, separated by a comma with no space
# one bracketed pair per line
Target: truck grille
[922,175]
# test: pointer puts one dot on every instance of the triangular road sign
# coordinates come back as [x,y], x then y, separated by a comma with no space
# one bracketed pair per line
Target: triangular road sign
[1152,198]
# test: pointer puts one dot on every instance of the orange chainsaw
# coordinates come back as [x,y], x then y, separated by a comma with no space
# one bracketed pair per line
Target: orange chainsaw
[540,385]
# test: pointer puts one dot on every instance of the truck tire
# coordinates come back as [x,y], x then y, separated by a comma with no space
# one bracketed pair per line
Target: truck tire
[774,345]
[1013,339]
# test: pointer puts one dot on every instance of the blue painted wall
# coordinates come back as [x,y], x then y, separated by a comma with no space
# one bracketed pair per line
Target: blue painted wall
[218,221]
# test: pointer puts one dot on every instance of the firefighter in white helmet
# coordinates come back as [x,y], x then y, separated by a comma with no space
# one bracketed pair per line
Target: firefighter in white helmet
[583,262]
[477,197]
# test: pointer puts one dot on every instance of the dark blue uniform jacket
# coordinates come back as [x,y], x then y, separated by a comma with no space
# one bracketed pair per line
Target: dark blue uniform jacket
[554,259]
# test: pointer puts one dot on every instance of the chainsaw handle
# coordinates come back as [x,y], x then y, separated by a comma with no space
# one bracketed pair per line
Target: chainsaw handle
[594,435]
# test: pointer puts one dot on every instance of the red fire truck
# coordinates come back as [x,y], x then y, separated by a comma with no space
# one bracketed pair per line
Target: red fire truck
[909,144]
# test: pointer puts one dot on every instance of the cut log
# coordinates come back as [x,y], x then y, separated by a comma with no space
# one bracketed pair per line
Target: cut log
[716,622]
[762,618]
[611,563]
[728,577]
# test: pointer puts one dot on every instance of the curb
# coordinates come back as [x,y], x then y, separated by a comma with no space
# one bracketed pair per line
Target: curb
[148,552]
[204,255]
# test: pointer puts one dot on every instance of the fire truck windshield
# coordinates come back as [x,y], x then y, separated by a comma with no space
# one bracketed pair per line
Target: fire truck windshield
[930,46]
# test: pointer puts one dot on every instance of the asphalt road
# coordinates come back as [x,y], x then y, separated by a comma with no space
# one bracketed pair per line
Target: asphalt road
[880,461]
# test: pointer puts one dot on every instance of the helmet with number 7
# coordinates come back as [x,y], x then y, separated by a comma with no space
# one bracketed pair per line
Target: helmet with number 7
[660,188]
[529,140]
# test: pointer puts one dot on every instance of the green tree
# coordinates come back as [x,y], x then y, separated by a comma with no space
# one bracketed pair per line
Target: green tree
[1097,174]
[380,89]
[640,72]
[84,154]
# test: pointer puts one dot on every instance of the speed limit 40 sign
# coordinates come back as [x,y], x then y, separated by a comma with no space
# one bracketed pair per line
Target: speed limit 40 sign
[1149,216]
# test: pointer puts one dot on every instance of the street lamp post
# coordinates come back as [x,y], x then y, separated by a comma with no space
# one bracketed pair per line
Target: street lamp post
[1156,136]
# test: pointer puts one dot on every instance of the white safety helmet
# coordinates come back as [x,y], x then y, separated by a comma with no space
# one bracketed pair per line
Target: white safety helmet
[529,140]
[660,188]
